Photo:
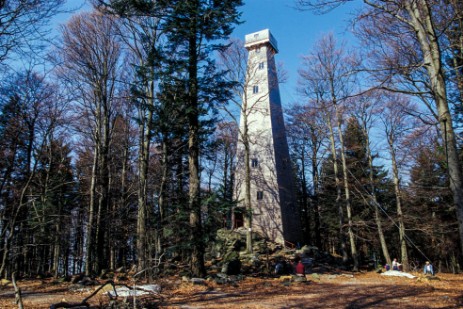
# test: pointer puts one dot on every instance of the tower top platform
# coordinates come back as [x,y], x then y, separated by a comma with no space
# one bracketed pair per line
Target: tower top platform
[260,37]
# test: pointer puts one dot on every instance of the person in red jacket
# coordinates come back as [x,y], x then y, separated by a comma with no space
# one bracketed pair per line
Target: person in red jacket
[299,268]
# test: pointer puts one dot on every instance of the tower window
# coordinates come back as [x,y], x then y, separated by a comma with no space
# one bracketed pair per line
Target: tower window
[261,65]
[255,89]
[257,50]
[260,195]
[254,162]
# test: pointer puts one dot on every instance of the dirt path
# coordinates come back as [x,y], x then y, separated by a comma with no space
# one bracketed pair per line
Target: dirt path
[366,290]
[361,291]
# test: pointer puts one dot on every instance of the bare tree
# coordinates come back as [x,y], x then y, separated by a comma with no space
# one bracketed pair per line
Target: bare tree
[228,132]
[90,59]
[307,132]
[143,35]
[30,116]
[365,108]
[454,60]
[405,38]
[23,25]
[397,123]
[328,73]
[122,177]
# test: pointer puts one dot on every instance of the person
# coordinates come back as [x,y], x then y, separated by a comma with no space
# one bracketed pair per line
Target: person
[300,268]
[428,269]
[396,265]
[281,267]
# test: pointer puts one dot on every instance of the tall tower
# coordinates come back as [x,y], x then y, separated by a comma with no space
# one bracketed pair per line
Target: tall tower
[274,210]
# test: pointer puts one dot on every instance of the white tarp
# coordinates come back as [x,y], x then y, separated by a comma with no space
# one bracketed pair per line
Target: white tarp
[398,274]
[136,290]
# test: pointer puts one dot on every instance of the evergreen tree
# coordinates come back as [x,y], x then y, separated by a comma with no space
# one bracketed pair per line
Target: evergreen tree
[194,26]
[358,164]
[435,236]
[359,180]
[193,29]
[328,209]
[453,57]
[54,190]
[358,170]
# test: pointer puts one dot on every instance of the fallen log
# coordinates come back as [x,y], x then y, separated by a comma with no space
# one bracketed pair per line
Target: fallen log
[83,303]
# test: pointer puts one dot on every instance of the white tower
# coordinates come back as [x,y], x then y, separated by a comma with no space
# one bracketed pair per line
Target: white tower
[274,210]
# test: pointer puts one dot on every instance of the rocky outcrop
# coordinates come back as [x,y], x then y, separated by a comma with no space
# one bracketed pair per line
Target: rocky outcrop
[228,253]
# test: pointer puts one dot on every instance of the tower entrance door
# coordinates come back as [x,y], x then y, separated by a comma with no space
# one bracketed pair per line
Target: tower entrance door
[238,220]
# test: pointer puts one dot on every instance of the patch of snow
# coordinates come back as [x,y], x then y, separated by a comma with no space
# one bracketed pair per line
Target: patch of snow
[136,290]
[398,274]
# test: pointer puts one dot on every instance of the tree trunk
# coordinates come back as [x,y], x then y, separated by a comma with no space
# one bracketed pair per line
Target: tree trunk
[122,199]
[350,231]
[143,161]
[374,200]
[164,180]
[338,193]
[89,257]
[145,128]
[305,202]
[315,181]
[56,250]
[398,195]
[421,21]
[247,185]
[102,181]
[5,252]
[197,258]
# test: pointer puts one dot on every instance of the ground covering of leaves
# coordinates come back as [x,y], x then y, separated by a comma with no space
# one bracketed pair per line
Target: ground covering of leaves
[327,290]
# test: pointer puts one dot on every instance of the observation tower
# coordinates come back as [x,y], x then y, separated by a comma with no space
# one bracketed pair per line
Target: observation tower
[274,211]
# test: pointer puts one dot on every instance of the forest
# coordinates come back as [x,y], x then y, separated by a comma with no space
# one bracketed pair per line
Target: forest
[118,138]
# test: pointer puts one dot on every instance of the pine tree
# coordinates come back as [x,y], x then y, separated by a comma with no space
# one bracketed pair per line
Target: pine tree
[194,27]
[359,180]
[50,221]
[358,170]
[430,210]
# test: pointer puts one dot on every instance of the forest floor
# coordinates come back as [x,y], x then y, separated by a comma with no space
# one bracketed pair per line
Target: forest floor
[327,290]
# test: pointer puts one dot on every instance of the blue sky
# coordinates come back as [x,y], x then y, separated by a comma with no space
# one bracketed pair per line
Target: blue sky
[295,31]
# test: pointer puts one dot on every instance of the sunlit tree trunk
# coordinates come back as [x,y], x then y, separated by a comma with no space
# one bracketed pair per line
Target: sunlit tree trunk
[334,156]
[350,231]
[89,255]
[143,163]
[374,200]
[305,201]
[247,178]
[316,191]
[422,21]
[398,195]
[365,109]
